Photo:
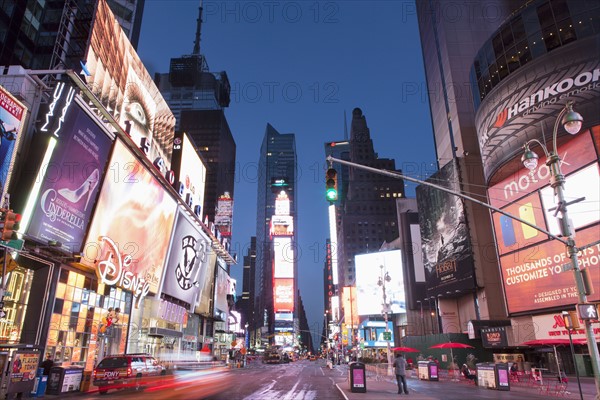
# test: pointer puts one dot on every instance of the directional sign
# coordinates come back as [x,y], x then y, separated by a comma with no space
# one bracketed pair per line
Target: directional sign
[387,335]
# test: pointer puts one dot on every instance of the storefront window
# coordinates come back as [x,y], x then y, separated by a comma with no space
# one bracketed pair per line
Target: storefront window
[78,333]
[15,303]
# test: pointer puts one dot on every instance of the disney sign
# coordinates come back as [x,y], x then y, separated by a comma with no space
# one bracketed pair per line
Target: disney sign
[114,270]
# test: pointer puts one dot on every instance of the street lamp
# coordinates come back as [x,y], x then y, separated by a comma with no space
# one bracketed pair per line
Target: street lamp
[383,278]
[572,122]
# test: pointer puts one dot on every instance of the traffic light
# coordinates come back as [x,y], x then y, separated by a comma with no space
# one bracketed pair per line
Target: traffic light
[331,193]
[9,223]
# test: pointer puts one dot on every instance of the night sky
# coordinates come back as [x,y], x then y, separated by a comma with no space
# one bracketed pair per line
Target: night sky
[299,65]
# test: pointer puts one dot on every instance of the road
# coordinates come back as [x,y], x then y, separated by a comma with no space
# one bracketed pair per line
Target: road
[307,380]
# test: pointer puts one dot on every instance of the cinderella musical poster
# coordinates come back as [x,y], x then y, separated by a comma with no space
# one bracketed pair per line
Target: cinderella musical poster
[72,177]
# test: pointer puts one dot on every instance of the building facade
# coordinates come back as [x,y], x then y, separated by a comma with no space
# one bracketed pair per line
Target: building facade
[126,263]
[276,243]
[449,45]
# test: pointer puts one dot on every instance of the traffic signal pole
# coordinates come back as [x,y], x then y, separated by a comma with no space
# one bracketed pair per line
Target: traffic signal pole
[568,242]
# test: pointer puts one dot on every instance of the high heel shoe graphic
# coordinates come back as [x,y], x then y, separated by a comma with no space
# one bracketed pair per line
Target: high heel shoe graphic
[87,187]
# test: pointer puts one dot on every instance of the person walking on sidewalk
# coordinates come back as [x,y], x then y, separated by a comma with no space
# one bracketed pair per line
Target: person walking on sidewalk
[400,367]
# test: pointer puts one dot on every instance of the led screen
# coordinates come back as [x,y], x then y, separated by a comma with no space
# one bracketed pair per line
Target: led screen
[283,258]
[119,79]
[188,254]
[71,182]
[136,213]
[369,294]
[12,115]
[532,264]
[283,295]
[583,195]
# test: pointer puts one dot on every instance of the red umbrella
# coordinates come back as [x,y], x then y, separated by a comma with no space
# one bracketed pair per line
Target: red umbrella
[553,343]
[451,345]
[405,350]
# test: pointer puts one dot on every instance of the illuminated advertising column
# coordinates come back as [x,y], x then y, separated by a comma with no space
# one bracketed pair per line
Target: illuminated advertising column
[284,282]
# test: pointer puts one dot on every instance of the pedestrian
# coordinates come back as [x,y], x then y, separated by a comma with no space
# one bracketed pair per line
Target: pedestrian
[400,367]
[47,364]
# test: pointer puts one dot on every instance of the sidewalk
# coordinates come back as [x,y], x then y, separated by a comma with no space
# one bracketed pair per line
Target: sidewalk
[383,388]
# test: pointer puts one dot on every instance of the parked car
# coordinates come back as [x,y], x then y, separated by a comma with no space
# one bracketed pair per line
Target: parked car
[125,370]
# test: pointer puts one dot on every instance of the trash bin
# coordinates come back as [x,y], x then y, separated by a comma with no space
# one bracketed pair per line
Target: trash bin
[502,377]
[358,378]
[39,387]
[428,371]
[64,380]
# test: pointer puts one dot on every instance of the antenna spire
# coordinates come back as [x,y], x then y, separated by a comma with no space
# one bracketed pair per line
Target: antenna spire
[198,28]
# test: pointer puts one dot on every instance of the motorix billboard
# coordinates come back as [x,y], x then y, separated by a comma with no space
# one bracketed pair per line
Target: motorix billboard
[534,268]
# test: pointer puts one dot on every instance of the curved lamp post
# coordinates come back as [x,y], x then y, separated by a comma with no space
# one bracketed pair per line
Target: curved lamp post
[383,278]
[572,122]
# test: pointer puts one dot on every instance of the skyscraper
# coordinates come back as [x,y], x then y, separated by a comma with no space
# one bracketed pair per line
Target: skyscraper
[368,215]
[197,98]
[54,34]
[276,268]
[449,46]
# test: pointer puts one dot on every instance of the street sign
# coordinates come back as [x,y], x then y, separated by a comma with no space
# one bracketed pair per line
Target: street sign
[387,335]
[567,267]
[16,244]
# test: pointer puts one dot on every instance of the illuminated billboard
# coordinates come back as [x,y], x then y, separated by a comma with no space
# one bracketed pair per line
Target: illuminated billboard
[282,204]
[72,176]
[188,254]
[447,250]
[282,225]
[118,78]
[283,295]
[12,115]
[283,258]
[532,265]
[531,98]
[222,289]
[369,295]
[224,214]
[349,304]
[189,173]
[140,223]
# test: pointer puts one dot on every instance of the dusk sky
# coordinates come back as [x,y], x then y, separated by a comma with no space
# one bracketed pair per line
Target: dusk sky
[299,65]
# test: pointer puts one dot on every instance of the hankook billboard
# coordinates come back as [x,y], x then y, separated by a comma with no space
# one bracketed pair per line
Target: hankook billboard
[528,101]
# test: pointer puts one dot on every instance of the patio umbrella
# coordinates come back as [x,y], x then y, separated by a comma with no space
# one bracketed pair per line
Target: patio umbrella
[405,349]
[451,345]
[553,343]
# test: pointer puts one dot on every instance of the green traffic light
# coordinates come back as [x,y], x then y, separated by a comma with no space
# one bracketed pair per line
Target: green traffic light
[331,194]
